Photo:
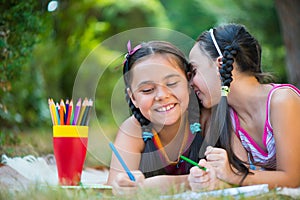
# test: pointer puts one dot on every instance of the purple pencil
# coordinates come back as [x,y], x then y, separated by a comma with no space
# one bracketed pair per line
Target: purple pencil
[77,110]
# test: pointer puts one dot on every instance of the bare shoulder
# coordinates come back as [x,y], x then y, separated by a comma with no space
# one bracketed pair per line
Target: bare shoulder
[130,135]
[285,106]
[285,95]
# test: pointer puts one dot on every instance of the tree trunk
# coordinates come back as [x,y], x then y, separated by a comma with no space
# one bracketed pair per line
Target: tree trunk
[289,17]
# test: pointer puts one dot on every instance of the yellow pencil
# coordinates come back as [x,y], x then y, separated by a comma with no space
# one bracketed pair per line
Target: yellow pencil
[54,112]
[82,110]
[51,111]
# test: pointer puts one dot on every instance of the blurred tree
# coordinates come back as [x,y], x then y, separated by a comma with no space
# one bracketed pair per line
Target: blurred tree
[261,19]
[189,17]
[289,16]
[68,34]
[78,27]
[20,26]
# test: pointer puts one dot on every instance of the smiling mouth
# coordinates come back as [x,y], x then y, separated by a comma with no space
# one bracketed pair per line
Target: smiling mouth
[166,108]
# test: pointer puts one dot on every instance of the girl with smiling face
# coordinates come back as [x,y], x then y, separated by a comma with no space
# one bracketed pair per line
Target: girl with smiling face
[257,123]
[164,124]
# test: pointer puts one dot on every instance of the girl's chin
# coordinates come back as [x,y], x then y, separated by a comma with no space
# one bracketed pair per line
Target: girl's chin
[164,122]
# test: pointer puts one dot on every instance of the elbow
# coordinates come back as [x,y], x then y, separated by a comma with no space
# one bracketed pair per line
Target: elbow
[292,182]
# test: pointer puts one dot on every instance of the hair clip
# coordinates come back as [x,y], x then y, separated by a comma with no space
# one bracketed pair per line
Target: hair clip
[147,136]
[224,91]
[131,51]
[195,127]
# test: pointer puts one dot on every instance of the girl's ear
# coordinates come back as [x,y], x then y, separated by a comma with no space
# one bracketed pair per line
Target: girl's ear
[219,62]
[130,94]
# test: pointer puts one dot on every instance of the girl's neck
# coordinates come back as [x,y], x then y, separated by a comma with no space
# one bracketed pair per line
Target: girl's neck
[248,96]
[169,132]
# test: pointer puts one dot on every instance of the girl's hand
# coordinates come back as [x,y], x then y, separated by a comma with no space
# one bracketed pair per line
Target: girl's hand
[200,180]
[122,185]
[218,159]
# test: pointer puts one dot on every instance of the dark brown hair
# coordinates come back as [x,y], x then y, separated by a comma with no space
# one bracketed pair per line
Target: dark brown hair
[239,46]
[168,49]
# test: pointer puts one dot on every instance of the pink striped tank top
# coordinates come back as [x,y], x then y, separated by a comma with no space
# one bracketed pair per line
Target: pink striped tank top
[256,155]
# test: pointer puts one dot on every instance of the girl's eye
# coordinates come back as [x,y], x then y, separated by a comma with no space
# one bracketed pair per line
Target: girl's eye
[194,71]
[147,90]
[172,84]
[192,74]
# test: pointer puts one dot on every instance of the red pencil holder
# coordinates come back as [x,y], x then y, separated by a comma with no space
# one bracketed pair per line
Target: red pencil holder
[70,146]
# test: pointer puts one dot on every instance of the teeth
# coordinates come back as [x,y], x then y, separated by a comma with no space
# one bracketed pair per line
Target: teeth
[164,109]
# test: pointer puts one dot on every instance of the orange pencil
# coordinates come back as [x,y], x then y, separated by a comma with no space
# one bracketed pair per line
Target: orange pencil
[61,112]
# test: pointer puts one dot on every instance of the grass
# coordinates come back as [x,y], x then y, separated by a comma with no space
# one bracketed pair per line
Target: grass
[46,192]
[38,142]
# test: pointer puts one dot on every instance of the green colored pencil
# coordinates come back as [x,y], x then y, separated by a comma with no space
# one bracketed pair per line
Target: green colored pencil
[193,163]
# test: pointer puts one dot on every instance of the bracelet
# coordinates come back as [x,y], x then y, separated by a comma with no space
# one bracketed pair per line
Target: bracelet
[244,177]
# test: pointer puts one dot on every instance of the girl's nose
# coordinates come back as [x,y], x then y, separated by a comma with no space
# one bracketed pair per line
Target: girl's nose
[162,92]
[191,83]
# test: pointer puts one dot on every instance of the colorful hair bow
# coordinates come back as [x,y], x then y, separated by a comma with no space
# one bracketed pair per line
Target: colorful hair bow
[130,51]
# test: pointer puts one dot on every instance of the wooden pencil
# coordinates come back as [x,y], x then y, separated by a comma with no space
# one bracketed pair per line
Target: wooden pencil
[82,110]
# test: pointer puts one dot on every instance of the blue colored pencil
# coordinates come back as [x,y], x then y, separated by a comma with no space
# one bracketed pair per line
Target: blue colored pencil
[130,175]
[57,113]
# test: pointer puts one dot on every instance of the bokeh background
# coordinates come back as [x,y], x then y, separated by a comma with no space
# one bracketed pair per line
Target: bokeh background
[43,43]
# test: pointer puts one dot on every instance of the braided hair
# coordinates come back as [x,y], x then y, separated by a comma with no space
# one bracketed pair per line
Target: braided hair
[147,49]
[234,44]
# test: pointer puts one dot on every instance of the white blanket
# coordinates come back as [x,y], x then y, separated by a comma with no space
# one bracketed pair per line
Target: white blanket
[43,170]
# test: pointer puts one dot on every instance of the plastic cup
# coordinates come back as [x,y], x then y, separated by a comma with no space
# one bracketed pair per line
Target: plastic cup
[70,145]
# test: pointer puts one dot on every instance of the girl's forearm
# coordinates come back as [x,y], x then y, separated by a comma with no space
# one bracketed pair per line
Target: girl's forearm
[273,179]
[167,183]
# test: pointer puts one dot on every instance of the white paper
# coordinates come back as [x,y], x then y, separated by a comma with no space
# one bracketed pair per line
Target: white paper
[245,191]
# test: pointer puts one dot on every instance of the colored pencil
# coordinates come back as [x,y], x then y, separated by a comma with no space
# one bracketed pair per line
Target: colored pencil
[62,113]
[193,163]
[82,110]
[51,111]
[72,115]
[130,175]
[67,111]
[77,111]
[57,113]
[86,113]
[70,110]
[89,113]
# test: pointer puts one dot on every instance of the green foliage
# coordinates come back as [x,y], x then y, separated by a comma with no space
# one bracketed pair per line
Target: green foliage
[41,52]
[20,26]
[78,28]
[189,17]
[261,20]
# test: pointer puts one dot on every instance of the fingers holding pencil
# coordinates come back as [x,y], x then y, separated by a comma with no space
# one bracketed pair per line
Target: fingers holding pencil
[123,185]
[202,180]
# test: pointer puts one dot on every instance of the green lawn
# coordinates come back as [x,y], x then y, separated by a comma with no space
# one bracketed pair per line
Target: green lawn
[41,193]
[39,143]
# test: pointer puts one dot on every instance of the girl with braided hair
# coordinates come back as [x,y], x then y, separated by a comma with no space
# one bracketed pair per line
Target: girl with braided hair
[256,123]
[165,120]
